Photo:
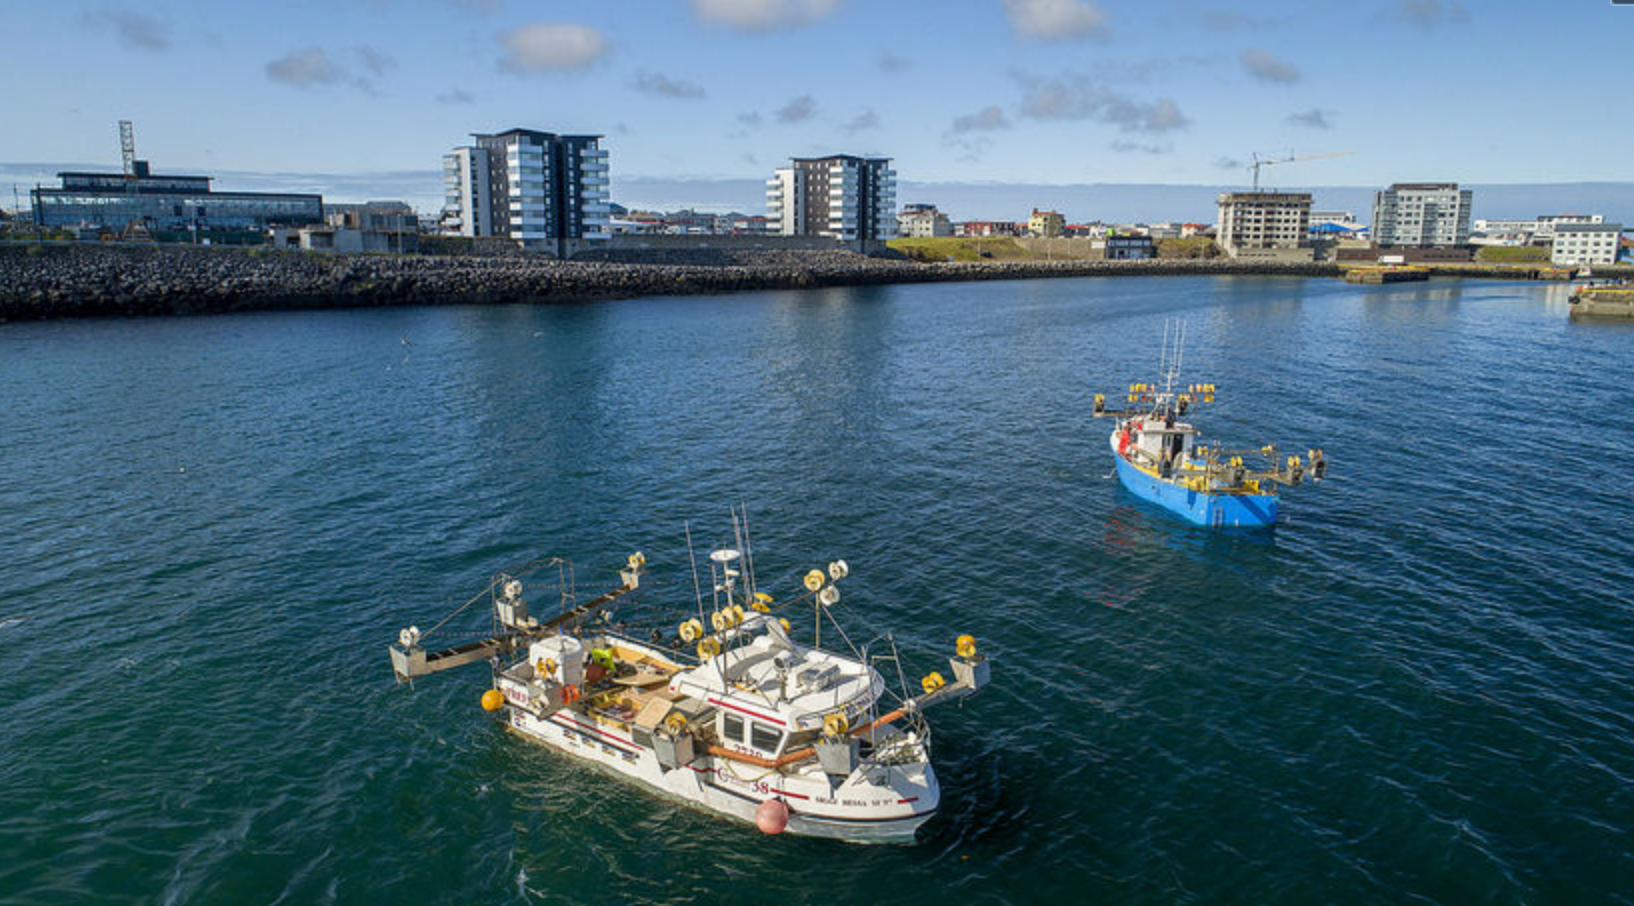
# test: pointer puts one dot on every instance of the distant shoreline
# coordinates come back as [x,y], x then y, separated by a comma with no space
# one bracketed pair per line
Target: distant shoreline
[77,280]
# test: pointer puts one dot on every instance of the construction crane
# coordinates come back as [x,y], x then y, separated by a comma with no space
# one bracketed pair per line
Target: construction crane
[1268,161]
[127,147]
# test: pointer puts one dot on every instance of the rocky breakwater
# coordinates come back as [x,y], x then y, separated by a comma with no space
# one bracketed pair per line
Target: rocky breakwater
[89,280]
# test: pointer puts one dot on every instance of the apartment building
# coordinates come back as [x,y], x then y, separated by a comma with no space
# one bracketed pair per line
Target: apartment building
[923,221]
[1585,243]
[1422,215]
[547,192]
[849,198]
[1269,225]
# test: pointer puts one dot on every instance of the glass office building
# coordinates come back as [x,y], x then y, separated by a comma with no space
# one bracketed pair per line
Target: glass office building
[166,203]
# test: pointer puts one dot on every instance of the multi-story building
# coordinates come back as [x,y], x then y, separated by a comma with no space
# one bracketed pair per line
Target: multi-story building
[541,190]
[1586,243]
[1046,223]
[1422,215]
[1265,225]
[383,216]
[923,221]
[849,198]
[987,228]
[182,205]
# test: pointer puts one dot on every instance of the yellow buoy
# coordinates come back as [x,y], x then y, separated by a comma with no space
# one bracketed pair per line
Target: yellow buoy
[932,682]
[492,700]
[814,580]
[760,606]
[966,645]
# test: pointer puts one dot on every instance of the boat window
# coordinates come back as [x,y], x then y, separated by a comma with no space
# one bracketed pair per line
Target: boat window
[763,737]
[732,727]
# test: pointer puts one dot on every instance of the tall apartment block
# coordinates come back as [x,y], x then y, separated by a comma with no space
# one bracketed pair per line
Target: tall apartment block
[544,191]
[1267,225]
[852,199]
[1422,215]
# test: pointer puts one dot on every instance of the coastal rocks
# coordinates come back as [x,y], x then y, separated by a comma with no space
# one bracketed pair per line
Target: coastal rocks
[56,281]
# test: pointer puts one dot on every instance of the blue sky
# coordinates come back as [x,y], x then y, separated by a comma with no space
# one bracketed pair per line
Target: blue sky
[1027,91]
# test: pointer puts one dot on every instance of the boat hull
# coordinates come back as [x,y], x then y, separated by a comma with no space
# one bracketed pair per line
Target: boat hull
[855,812]
[1197,507]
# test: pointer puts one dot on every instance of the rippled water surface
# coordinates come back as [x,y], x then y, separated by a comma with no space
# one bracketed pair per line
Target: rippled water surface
[1418,688]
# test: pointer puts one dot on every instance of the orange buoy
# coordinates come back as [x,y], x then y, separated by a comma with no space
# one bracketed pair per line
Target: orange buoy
[570,693]
[772,816]
[493,700]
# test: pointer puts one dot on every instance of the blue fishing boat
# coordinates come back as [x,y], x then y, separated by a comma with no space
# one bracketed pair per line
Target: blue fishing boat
[1159,457]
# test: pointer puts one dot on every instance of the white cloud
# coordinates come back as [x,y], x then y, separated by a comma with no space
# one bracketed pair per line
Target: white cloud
[1314,118]
[138,30]
[373,60]
[1267,67]
[797,110]
[545,46]
[1055,20]
[764,15]
[868,119]
[304,68]
[1430,13]
[1074,97]
[984,120]
[656,83]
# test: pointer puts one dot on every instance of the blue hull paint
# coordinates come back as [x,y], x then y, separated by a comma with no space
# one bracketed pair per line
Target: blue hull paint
[1228,510]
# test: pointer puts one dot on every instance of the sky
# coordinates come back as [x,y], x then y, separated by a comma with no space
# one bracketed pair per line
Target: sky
[360,98]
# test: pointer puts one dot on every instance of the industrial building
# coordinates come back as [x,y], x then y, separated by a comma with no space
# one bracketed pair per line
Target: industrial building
[138,203]
[546,192]
[852,199]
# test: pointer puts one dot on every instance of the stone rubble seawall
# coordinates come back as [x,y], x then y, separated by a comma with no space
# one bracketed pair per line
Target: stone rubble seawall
[65,281]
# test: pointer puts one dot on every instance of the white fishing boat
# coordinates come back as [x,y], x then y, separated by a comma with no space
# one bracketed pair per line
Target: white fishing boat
[726,709]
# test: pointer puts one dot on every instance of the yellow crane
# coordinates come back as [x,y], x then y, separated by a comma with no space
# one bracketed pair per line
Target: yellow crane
[1268,161]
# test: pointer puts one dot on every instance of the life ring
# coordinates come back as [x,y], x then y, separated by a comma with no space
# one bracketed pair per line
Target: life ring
[708,648]
[691,630]
[932,682]
[760,606]
[966,646]
[570,694]
[721,620]
[675,723]
[545,667]
[814,580]
[835,724]
[737,614]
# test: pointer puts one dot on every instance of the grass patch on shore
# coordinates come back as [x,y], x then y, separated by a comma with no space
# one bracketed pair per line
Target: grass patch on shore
[963,248]
[1512,254]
